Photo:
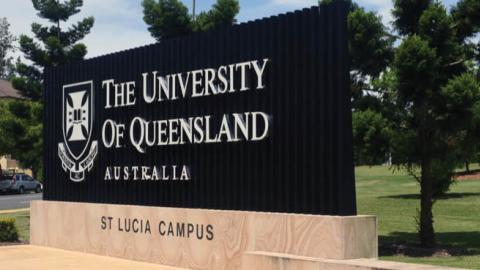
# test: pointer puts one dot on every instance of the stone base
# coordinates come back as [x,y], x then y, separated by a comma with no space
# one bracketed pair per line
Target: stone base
[202,239]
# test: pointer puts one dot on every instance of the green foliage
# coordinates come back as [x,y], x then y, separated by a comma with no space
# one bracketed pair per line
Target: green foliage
[21,132]
[462,100]
[6,46]
[461,112]
[442,175]
[371,137]
[371,51]
[370,48]
[435,26]
[22,222]
[416,66]
[407,14]
[54,11]
[6,142]
[466,15]
[369,43]
[170,18]
[166,18]
[8,231]
[222,14]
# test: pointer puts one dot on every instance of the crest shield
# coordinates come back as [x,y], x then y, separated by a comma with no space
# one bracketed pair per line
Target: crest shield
[77,122]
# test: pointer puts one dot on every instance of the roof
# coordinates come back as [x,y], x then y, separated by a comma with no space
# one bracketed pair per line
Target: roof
[7,90]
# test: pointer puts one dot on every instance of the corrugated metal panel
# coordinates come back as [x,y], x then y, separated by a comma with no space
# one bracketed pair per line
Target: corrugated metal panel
[305,165]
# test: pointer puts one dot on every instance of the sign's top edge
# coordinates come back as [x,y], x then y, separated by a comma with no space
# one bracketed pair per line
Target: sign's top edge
[314,8]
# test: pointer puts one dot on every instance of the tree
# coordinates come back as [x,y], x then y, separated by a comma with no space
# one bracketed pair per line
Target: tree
[436,96]
[222,14]
[6,46]
[466,15]
[423,93]
[371,132]
[166,18]
[21,133]
[58,47]
[6,142]
[371,50]
[170,18]
[467,140]
[51,47]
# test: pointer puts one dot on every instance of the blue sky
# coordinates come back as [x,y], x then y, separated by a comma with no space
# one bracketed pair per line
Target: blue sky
[119,24]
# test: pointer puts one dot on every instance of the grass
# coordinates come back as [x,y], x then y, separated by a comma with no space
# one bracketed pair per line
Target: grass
[393,198]
[22,221]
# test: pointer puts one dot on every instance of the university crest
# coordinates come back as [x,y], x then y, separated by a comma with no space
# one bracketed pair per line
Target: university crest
[77,122]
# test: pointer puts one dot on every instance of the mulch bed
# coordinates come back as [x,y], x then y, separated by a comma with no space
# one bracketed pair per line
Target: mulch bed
[14,243]
[472,175]
[411,250]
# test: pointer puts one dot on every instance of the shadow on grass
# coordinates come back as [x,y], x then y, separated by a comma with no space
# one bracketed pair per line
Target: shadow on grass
[453,195]
[448,244]
[467,172]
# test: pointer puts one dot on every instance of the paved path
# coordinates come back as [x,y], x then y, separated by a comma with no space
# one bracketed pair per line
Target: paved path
[17,201]
[24,257]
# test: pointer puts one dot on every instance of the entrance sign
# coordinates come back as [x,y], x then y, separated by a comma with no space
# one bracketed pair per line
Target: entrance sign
[229,149]
[250,117]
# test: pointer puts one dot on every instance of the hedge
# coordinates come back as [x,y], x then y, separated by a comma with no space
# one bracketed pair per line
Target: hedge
[8,231]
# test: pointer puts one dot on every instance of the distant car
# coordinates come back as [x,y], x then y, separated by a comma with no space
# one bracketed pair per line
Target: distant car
[19,183]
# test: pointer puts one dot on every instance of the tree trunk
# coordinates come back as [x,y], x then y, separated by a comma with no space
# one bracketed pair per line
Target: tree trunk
[467,166]
[427,233]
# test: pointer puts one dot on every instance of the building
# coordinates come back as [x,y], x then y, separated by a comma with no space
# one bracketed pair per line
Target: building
[7,91]
[7,163]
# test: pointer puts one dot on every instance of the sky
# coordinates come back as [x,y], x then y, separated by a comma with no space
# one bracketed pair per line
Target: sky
[119,23]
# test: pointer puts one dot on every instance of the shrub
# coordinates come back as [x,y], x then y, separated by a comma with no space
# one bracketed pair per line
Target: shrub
[8,231]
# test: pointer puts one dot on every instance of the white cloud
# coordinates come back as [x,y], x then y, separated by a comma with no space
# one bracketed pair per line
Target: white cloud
[387,16]
[118,26]
[382,7]
[375,2]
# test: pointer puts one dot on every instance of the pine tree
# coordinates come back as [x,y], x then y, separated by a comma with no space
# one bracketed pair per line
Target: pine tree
[427,100]
[436,95]
[53,45]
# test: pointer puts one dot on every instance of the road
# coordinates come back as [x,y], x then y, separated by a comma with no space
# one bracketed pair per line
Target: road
[8,201]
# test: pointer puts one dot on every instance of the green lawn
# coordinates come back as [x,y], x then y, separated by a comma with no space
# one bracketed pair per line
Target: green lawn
[393,198]
[22,221]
